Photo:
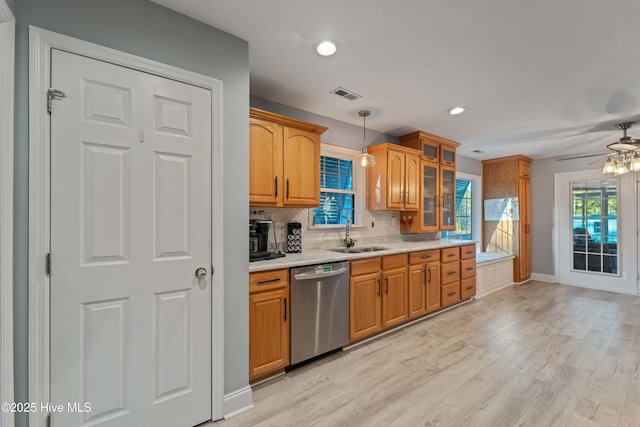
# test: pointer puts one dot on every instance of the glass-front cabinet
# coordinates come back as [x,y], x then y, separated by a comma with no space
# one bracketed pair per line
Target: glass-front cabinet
[448,198]
[430,196]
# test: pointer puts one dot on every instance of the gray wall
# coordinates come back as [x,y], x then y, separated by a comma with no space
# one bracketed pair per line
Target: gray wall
[542,207]
[11,4]
[143,28]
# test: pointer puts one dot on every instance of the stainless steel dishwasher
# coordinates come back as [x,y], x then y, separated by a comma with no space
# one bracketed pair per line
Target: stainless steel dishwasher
[319,309]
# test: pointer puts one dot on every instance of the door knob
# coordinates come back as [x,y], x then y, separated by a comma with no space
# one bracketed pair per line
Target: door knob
[201,273]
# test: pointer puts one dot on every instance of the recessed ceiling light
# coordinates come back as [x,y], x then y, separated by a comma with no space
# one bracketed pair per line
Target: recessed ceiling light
[326,48]
[457,110]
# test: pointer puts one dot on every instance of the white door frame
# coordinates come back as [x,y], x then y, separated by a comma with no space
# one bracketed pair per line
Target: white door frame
[627,242]
[40,44]
[7,49]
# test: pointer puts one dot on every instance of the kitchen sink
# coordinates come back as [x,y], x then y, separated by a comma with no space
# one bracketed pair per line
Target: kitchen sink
[357,250]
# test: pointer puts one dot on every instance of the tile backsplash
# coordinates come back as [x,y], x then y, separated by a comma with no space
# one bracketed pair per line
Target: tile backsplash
[375,228]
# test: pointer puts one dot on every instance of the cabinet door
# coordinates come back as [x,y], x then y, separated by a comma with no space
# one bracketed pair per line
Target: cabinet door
[268,332]
[265,163]
[395,179]
[433,286]
[412,182]
[430,197]
[448,199]
[524,253]
[365,307]
[417,290]
[395,301]
[301,166]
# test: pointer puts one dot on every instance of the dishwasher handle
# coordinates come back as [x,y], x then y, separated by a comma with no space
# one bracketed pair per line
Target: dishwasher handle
[311,276]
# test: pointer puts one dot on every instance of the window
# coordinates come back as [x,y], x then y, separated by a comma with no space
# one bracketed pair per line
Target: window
[339,189]
[464,208]
[595,226]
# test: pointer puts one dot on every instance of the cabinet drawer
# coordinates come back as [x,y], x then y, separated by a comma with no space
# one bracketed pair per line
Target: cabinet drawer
[450,272]
[394,261]
[364,266]
[450,293]
[467,288]
[424,256]
[450,254]
[267,280]
[468,251]
[467,268]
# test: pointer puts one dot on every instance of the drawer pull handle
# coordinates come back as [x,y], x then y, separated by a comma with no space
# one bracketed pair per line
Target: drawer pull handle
[426,256]
[263,282]
[469,288]
[450,255]
[451,294]
[451,273]
[469,268]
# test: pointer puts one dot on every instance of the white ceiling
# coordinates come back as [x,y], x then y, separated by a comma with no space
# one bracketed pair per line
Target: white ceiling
[541,78]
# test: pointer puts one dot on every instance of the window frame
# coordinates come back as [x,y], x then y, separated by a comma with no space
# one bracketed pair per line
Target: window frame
[359,188]
[476,207]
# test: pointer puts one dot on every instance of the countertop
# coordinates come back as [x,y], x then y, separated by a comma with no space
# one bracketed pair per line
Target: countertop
[322,256]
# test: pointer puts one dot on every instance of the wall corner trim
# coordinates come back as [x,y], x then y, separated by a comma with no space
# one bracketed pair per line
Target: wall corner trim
[7,75]
[238,401]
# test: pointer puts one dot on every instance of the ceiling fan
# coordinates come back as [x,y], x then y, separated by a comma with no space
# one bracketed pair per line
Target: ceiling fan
[626,152]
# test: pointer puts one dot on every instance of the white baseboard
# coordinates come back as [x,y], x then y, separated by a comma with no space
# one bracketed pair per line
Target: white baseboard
[238,401]
[549,278]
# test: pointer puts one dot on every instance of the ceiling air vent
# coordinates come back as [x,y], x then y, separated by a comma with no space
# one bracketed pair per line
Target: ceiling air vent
[347,94]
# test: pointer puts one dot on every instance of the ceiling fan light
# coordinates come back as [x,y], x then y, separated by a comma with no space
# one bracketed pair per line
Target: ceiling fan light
[609,167]
[621,169]
[634,165]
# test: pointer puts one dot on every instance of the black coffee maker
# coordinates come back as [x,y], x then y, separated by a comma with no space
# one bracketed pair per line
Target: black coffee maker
[259,240]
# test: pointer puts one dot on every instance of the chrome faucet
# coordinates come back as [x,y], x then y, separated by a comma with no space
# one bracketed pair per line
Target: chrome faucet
[348,241]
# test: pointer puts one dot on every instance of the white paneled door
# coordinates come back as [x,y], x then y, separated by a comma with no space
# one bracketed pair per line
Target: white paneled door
[130,224]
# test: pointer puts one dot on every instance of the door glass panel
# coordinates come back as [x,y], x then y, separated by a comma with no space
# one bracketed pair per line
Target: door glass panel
[430,150]
[429,193]
[595,226]
[448,197]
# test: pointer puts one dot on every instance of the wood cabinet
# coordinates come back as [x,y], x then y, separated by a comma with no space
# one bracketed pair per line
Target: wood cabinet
[268,323]
[506,181]
[467,271]
[284,161]
[394,182]
[437,205]
[424,282]
[378,295]
[365,298]
[395,296]
[450,276]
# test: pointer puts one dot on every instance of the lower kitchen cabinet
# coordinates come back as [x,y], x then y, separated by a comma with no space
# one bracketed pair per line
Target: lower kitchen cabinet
[365,299]
[450,276]
[467,271]
[395,298]
[424,282]
[268,323]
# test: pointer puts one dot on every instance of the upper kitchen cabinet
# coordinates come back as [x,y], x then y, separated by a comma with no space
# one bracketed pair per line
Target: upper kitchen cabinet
[433,148]
[394,182]
[437,204]
[284,161]
[507,221]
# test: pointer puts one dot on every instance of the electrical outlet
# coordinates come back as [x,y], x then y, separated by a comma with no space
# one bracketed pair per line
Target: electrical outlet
[394,221]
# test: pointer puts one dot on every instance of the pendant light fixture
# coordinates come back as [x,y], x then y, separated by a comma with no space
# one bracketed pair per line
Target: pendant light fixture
[364,159]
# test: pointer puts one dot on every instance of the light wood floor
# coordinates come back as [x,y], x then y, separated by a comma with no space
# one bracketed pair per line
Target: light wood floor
[530,355]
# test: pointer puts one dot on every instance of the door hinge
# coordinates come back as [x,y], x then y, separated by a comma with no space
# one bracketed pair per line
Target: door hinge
[47,264]
[51,95]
